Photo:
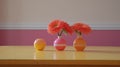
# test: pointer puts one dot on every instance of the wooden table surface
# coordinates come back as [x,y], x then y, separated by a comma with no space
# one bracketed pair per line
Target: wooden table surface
[93,55]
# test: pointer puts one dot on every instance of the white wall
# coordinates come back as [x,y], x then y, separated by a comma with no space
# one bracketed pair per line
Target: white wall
[36,14]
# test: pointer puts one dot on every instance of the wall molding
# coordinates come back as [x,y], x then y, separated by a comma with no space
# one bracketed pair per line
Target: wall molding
[37,26]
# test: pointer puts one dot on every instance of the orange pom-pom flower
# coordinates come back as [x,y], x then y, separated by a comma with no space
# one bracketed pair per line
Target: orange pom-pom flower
[81,28]
[59,26]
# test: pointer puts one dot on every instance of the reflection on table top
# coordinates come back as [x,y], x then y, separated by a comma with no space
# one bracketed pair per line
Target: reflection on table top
[103,53]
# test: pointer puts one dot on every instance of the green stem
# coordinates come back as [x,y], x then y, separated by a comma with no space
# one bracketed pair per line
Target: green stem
[78,33]
[60,33]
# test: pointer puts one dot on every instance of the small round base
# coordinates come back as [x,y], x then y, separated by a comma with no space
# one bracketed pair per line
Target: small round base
[60,48]
[79,48]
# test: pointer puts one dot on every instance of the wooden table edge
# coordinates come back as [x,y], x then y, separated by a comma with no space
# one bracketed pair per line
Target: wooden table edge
[62,62]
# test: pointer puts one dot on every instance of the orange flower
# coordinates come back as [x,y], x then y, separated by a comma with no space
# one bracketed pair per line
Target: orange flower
[53,27]
[81,28]
[59,26]
[66,27]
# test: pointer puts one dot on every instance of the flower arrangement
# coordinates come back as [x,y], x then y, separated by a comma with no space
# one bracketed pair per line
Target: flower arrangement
[79,43]
[80,28]
[58,27]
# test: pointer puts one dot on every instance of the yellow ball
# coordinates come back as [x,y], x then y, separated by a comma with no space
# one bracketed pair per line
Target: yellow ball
[39,44]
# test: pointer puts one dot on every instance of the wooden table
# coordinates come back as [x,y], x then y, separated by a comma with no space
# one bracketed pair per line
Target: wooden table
[92,56]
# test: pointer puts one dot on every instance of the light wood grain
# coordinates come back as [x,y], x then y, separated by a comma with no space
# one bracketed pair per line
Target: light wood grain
[93,55]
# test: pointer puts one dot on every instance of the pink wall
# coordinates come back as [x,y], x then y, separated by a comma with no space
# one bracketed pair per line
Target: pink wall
[27,37]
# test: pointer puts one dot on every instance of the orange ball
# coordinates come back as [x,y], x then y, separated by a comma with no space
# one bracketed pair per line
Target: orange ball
[39,44]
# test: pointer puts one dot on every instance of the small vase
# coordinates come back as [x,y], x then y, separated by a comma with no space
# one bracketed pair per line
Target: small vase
[79,43]
[60,43]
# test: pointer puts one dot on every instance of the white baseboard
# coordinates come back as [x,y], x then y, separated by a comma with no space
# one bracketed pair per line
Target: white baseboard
[38,26]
